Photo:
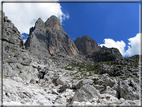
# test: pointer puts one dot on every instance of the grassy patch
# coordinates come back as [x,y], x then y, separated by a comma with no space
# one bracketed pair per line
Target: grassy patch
[101,83]
[123,78]
[108,62]
[96,79]
[74,73]
[67,68]
[88,67]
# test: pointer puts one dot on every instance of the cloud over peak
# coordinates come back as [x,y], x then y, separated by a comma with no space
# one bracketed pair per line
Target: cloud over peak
[133,45]
[116,44]
[24,15]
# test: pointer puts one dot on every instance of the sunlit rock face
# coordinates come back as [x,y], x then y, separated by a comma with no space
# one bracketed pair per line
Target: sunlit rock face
[49,38]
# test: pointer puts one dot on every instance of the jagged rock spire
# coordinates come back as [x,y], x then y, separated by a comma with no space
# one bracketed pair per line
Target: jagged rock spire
[39,23]
[50,38]
[53,22]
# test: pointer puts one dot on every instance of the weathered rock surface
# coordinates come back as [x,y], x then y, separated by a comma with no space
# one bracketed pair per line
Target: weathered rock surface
[63,79]
[106,54]
[12,40]
[17,62]
[86,45]
[128,89]
[85,93]
[49,38]
[83,82]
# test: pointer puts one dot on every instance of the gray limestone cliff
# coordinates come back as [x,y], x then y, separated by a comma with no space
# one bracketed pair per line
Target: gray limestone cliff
[49,38]
[11,38]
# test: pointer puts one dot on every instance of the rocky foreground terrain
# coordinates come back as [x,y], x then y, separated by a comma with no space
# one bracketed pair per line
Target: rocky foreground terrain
[50,69]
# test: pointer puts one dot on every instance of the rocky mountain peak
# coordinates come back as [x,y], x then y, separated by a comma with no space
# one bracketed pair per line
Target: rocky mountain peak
[49,38]
[39,23]
[53,22]
[86,45]
[85,37]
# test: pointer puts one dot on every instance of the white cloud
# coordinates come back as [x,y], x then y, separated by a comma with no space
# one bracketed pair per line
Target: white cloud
[24,15]
[133,45]
[116,44]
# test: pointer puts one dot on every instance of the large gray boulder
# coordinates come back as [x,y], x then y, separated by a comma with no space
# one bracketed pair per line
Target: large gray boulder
[49,38]
[85,93]
[82,83]
[86,45]
[128,89]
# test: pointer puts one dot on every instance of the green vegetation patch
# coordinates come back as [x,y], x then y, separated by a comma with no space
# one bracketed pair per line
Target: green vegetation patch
[84,67]
[108,62]
[67,68]
[95,79]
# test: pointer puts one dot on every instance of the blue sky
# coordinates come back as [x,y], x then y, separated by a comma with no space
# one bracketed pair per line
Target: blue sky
[118,21]
[110,24]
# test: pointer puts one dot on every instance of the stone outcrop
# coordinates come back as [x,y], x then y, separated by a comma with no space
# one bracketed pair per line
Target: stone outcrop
[106,54]
[17,62]
[49,38]
[12,40]
[86,45]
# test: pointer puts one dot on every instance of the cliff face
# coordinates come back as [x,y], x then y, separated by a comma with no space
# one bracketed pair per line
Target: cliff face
[49,38]
[105,54]
[12,40]
[86,45]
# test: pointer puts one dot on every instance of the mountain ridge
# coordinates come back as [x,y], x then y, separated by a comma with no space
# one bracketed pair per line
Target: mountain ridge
[86,45]
[32,76]
[57,41]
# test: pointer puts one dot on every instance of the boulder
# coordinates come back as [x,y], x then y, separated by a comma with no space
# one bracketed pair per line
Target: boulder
[63,88]
[109,81]
[60,100]
[62,81]
[68,94]
[127,89]
[85,93]
[54,91]
[82,83]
